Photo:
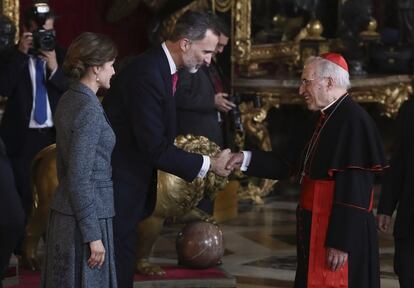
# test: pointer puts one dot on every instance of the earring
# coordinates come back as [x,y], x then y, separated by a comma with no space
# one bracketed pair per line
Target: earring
[97,78]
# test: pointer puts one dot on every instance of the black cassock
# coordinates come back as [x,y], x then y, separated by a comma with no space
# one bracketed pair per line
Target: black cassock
[340,147]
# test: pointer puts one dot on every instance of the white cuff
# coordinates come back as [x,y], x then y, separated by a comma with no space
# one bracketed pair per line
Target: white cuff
[52,74]
[204,167]
[246,160]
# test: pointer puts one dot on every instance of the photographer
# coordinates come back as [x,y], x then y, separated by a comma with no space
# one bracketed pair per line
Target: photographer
[33,82]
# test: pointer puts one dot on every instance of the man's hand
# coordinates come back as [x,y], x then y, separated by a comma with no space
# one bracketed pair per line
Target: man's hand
[50,58]
[222,104]
[218,164]
[97,254]
[335,259]
[26,42]
[235,162]
[383,222]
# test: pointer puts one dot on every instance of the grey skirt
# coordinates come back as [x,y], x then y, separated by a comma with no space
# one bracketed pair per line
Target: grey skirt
[66,256]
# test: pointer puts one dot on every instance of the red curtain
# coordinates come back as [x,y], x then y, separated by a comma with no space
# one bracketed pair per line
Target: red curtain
[77,16]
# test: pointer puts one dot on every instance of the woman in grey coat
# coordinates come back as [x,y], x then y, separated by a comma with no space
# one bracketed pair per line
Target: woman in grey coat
[79,243]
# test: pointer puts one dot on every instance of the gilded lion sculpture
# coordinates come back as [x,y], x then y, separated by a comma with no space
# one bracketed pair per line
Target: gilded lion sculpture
[175,198]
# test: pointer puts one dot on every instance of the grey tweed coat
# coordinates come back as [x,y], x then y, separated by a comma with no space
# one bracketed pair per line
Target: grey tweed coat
[82,208]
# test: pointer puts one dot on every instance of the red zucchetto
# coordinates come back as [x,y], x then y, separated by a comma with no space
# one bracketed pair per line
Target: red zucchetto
[337,59]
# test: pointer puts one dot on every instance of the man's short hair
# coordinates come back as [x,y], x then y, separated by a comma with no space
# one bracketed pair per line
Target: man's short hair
[32,14]
[222,26]
[194,25]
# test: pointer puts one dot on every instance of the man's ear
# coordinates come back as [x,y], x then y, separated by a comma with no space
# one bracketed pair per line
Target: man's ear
[185,44]
[330,82]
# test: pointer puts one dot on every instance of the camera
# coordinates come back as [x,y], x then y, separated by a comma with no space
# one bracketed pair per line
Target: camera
[235,112]
[44,40]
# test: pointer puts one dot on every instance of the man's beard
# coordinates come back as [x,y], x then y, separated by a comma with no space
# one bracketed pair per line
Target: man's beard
[190,64]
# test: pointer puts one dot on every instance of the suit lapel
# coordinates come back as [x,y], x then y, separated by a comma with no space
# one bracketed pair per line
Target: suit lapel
[165,71]
[169,101]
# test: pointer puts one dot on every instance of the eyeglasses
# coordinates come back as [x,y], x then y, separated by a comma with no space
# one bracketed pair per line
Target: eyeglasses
[306,82]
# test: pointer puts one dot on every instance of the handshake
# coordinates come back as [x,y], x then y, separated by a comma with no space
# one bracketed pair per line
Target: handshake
[226,162]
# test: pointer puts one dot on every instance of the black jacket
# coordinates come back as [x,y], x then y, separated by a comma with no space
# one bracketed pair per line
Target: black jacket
[142,111]
[398,186]
[11,210]
[16,85]
[196,112]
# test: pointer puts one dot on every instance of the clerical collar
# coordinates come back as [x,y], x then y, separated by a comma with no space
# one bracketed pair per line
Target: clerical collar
[171,62]
[327,109]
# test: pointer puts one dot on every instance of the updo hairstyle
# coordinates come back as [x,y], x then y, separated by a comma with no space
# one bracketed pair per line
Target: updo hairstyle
[87,50]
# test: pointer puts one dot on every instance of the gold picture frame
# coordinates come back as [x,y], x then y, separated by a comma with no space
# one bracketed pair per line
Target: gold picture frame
[246,53]
[10,9]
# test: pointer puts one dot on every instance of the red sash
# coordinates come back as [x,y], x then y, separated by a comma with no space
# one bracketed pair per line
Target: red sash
[317,196]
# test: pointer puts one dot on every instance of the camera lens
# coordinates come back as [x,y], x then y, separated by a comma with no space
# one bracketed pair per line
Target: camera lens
[44,40]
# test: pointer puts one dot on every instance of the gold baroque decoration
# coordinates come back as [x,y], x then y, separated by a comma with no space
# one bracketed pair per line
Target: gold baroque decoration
[222,6]
[389,92]
[390,97]
[242,30]
[254,124]
[249,55]
[11,10]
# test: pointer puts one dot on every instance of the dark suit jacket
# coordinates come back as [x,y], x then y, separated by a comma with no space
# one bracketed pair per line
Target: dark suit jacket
[196,113]
[398,186]
[15,84]
[142,111]
[11,210]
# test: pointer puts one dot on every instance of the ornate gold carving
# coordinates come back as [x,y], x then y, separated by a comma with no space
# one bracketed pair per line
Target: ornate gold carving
[11,10]
[314,29]
[267,52]
[253,122]
[249,55]
[390,97]
[222,6]
[388,91]
[242,41]
[371,31]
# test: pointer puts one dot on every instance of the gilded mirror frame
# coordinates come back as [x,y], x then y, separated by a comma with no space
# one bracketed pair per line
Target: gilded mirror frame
[10,9]
[247,53]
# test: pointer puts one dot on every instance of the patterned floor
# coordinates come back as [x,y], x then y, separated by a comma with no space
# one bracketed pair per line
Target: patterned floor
[260,245]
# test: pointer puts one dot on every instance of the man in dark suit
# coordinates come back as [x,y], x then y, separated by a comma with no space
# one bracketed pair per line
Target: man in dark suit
[141,108]
[202,97]
[32,81]
[398,194]
[202,102]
